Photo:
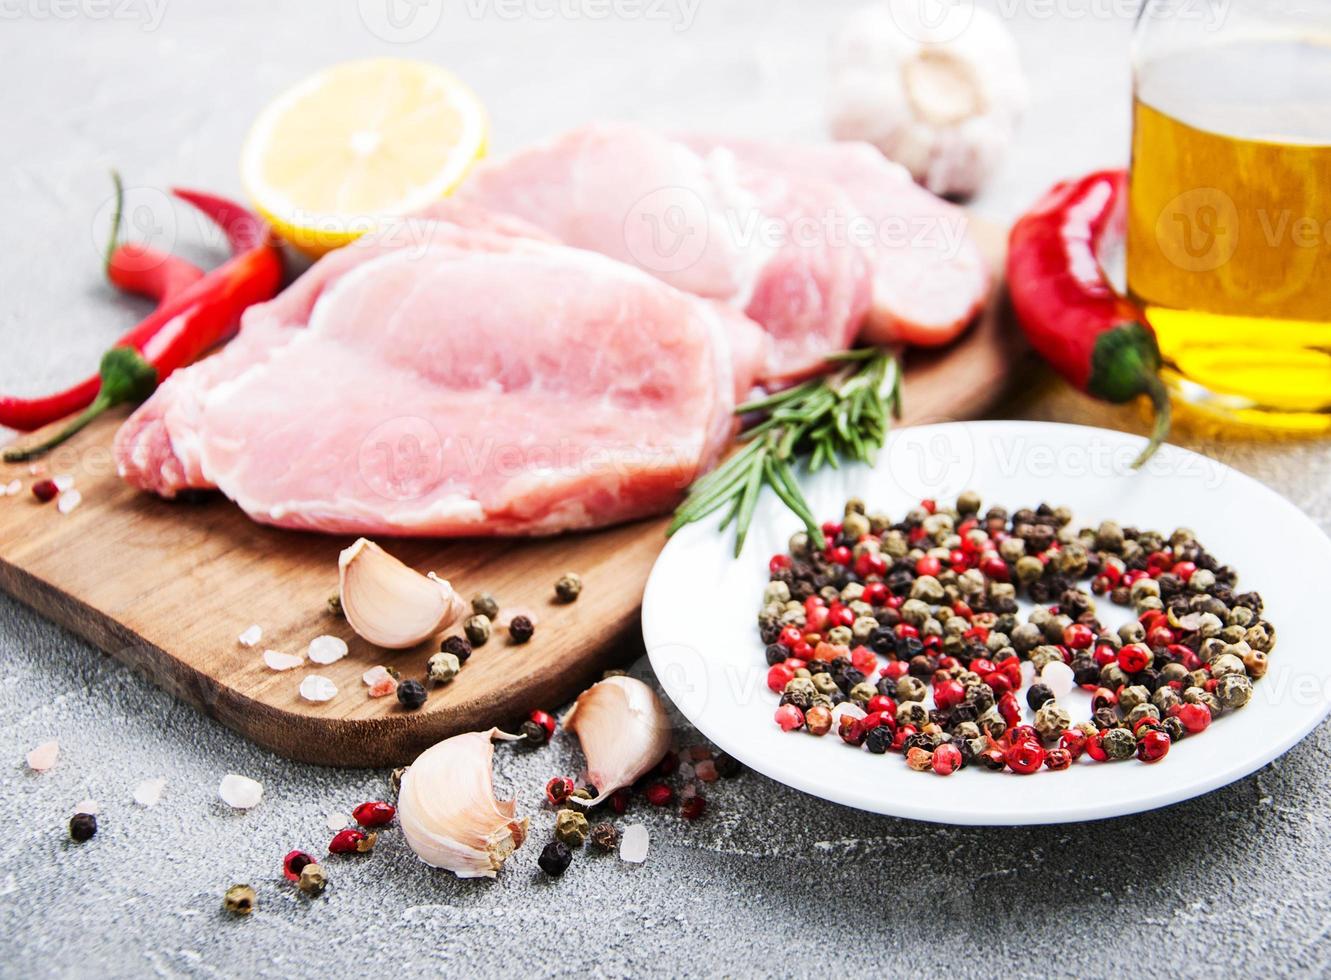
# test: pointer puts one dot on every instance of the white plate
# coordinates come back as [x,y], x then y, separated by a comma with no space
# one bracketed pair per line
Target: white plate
[699,619]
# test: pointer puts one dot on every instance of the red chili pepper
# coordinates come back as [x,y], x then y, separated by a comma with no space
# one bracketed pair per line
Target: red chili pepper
[185,326]
[1097,339]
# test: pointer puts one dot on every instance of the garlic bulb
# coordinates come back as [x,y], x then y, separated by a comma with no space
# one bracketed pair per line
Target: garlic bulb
[940,95]
[389,604]
[623,730]
[448,812]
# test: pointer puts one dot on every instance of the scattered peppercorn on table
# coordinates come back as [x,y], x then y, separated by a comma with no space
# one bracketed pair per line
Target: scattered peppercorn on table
[767,880]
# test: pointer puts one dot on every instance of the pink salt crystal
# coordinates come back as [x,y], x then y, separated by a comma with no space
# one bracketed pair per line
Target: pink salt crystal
[699,752]
[685,770]
[374,675]
[706,771]
[43,756]
[90,807]
[383,687]
[688,791]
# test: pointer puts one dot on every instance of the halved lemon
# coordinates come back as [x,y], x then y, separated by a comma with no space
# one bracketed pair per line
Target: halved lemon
[359,143]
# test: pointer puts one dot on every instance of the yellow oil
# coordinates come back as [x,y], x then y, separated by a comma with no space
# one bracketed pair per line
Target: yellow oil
[1229,226]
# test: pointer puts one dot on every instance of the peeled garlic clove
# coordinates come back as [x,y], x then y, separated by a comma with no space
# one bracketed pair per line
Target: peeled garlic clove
[388,603]
[448,812]
[623,730]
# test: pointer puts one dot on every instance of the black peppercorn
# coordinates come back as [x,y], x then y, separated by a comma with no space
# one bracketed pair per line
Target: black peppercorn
[727,765]
[411,694]
[555,858]
[879,740]
[776,654]
[533,734]
[605,837]
[458,647]
[1037,695]
[82,826]
[521,629]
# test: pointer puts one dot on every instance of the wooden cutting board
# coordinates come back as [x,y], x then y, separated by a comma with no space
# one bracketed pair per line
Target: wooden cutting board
[168,587]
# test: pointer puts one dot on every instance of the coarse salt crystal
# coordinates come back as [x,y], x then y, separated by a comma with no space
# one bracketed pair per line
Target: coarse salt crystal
[43,756]
[90,807]
[36,469]
[149,792]
[633,845]
[63,482]
[327,649]
[1058,677]
[336,821]
[68,501]
[240,792]
[15,487]
[317,688]
[251,636]
[374,675]
[277,660]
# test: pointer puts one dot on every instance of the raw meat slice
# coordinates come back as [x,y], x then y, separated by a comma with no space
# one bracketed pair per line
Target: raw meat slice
[484,384]
[929,277]
[758,238]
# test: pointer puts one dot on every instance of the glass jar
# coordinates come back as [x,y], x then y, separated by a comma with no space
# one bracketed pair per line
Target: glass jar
[1229,216]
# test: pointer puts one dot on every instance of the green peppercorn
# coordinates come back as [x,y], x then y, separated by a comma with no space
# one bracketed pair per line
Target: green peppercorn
[521,629]
[484,604]
[477,629]
[912,713]
[443,667]
[910,688]
[1226,664]
[569,587]
[571,827]
[1144,710]
[604,837]
[840,636]
[1119,743]
[335,604]
[862,692]
[968,503]
[1130,697]
[313,879]
[1234,690]
[855,525]
[239,900]
[1051,720]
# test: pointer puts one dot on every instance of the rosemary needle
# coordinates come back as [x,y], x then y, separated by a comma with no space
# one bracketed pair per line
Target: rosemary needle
[844,416]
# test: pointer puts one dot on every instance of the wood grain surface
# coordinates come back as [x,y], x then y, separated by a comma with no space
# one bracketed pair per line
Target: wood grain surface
[167,587]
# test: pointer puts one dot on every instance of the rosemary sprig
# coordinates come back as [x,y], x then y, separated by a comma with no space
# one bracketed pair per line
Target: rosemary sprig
[844,416]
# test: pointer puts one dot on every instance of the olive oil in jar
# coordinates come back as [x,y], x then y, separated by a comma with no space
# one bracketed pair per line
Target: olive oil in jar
[1229,225]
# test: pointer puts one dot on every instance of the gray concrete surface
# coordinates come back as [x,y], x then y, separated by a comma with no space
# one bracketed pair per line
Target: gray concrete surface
[772,881]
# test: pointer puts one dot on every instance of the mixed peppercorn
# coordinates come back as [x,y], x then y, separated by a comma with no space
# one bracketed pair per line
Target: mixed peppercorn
[861,633]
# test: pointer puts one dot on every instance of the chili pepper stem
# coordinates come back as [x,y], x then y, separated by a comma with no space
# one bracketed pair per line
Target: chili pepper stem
[1164,414]
[117,216]
[25,453]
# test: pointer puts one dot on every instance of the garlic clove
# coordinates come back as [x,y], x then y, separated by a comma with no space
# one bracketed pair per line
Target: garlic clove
[448,812]
[624,732]
[390,604]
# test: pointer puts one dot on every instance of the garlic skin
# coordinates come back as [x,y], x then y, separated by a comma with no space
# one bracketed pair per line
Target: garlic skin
[942,96]
[624,732]
[448,812]
[388,603]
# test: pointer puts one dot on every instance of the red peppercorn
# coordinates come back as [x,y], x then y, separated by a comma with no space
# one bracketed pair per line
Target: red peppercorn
[45,490]
[659,794]
[1073,742]
[1009,709]
[875,593]
[619,801]
[778,563]
[998,682]
[1134,658]
[863,660]
[870,564]
[1025,757]
[1194,717]
[294,863]
[895,670]
[929,505]
[949,694]
[947,759]
[558,790]
[906,631]
[1094,747]
[1105,654]
[831,529]
[790,636]
[1023,733]
[840,555]
[996,569]
[346,841]
[668,765]
[881,704]
[982,666]
[1161,636]
[789,717]
[852,730]
[841,616]
[1058,759]
[778,676]
[1184,569]
[928,565]
[374,813]
[546,721]
[1152,746]
[962,610]
[1078,636]
[692,808]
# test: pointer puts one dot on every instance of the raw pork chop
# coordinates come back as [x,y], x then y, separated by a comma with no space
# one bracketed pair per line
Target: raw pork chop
[751,236]
[452,381]
[929,278]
